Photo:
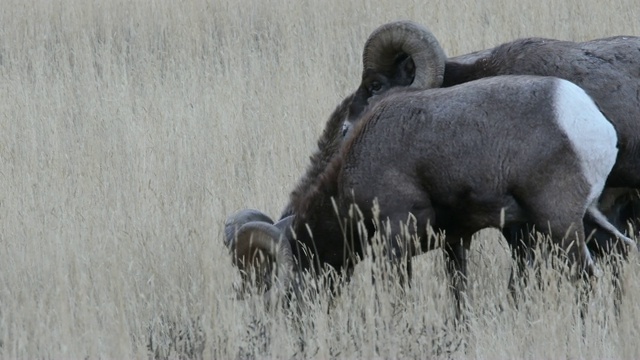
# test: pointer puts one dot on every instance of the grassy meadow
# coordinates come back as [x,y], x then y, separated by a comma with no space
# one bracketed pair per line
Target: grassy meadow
[131,129]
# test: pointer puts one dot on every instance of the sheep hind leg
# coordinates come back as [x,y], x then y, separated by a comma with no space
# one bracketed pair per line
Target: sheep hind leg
[620,241]
[598,218]
[570,236]
[568,233]
[562,221]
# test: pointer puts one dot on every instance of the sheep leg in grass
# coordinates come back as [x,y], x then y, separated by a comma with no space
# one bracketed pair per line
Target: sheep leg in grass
[519,239]
[597,217]
[399,249]
[564,225]
[522,248]
[619,241]
[398,252]
[455,251]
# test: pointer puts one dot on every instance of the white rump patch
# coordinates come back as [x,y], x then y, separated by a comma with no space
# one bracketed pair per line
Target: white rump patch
[592,136]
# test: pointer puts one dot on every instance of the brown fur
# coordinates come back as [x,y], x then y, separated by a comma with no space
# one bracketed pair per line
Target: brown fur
[328,145]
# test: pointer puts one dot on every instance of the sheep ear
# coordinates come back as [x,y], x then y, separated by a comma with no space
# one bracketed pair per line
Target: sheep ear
[235,221]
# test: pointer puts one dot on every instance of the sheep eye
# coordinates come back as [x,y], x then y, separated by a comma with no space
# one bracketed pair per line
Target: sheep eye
[375,87]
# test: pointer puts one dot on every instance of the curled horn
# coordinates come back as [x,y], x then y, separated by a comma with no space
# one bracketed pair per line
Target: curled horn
[258,237]
[413,39]
[235,221]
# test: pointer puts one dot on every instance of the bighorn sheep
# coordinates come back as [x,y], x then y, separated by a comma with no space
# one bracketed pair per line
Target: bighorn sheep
[607,69]
[329,144]
[503,150]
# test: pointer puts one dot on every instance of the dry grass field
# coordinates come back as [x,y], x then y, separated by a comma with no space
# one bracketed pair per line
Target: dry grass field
[131,129]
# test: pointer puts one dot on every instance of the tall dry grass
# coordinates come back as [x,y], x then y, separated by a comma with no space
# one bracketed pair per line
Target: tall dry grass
[131,129]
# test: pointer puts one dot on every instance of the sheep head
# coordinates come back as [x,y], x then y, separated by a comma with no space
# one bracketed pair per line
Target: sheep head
[401,53]
[256,243]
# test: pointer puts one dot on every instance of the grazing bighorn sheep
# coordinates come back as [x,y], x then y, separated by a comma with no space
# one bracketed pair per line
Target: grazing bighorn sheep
[329,144]
[607,69]
[504,150]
